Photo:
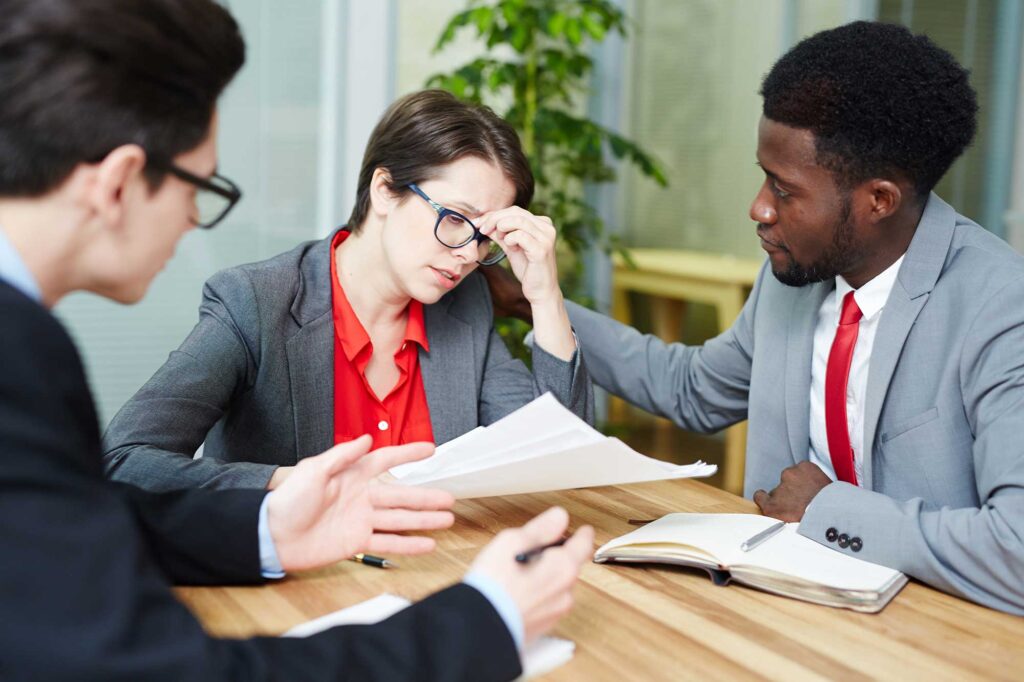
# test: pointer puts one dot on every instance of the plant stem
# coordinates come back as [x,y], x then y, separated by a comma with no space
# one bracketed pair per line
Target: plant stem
[530,97]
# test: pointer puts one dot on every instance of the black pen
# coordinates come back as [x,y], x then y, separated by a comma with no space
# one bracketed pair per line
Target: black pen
[530,554]
[371,560]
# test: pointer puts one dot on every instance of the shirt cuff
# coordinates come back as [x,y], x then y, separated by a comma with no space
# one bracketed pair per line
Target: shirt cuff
[502,603]
[270,565]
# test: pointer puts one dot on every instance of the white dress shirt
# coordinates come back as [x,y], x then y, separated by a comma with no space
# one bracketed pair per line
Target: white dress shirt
[871,300]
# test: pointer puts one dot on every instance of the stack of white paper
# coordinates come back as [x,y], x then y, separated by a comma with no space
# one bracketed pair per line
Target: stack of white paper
[543,655]
[541,446]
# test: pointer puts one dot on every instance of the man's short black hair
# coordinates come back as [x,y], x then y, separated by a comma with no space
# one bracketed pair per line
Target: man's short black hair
[78,78]
[880,101]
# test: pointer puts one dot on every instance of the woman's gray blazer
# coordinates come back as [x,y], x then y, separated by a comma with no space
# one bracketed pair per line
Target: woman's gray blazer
[255,378]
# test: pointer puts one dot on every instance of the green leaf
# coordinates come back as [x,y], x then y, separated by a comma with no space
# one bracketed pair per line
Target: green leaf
[594,26]
[520,38]
[448,33]
[483,17]
[573,31]
[556,25]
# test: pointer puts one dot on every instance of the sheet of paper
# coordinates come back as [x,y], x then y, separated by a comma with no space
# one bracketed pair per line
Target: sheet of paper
[543,656]
[370,611]
[540,447]
[535,422]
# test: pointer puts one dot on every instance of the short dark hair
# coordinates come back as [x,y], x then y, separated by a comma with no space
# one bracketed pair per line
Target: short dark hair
[879,100]
[426,130]
[79,78]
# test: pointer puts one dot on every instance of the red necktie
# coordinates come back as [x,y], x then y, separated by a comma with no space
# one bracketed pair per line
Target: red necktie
[837,374]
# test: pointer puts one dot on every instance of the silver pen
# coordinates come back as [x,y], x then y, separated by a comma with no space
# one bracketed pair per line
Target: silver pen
[756,540]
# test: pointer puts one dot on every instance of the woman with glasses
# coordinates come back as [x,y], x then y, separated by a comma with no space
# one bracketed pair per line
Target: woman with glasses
[384,327]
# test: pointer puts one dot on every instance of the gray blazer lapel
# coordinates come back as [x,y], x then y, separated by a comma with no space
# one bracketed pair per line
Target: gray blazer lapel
[918,274]
[449,363]
[311,354]
[799,352]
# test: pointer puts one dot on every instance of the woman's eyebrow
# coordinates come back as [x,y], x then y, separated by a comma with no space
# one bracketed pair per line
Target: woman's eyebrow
[463,207]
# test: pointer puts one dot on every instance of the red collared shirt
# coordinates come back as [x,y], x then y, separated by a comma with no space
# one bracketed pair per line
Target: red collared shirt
[402,416]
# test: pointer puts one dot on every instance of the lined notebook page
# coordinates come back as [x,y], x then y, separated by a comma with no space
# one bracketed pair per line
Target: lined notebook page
[717,534]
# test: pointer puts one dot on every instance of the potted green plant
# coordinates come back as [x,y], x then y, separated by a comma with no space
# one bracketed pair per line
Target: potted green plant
[537,63]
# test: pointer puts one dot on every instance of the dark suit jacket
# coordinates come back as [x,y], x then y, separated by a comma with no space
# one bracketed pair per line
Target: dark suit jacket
[86,564]
[255,378]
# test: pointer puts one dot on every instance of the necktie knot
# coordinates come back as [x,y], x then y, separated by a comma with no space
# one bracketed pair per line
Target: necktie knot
[851,313]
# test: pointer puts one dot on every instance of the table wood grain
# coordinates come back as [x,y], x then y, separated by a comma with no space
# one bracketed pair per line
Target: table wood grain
[660,623]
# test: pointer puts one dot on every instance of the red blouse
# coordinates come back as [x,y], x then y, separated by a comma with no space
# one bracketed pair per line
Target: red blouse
[402,416]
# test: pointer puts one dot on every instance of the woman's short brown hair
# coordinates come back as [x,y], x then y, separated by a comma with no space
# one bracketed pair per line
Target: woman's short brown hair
[426,130]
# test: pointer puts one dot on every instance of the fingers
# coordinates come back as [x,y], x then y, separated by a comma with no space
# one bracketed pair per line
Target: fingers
[580,547]
[405,519]
[544,528]
[382,459]
[515,227]
[343,455]
[386,543]
[410,497]
[761,499]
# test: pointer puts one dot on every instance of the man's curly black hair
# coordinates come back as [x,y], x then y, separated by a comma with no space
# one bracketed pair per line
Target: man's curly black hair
[880,101]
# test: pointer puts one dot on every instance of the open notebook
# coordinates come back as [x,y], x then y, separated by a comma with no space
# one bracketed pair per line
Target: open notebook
[787,563]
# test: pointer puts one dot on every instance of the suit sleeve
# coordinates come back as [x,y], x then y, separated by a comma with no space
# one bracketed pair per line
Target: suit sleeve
[79,578]
[976,552]
[700,388]
[86,565]
[153,438]
[508,385]
[200,537]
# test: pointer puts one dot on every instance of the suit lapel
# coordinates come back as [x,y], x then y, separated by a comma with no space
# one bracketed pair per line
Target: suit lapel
[918,274]
[311,370]
[448,375]
[799,354]
[893,327]
[311,354]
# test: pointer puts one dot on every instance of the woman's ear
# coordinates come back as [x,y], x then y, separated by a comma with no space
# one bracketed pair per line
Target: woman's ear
[383,198]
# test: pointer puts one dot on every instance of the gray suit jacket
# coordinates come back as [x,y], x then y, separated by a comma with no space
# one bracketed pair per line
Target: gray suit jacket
[255,378]
[943,490]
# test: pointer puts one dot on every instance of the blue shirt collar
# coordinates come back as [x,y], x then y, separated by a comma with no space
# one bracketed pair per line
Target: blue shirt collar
[14,271]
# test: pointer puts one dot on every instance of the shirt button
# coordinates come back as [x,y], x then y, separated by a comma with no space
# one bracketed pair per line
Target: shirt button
[382,425]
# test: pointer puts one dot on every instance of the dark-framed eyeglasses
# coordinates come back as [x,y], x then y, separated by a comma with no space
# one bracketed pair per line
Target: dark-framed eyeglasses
[215,196]
[455,230]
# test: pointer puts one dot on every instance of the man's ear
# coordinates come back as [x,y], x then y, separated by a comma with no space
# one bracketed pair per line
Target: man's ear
[884,198]
[382,198]
[116,175]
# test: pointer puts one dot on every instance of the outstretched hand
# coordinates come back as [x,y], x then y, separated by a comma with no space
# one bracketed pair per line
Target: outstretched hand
[331,506]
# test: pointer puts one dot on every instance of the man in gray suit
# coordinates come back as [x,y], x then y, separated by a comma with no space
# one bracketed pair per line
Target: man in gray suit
[880,356]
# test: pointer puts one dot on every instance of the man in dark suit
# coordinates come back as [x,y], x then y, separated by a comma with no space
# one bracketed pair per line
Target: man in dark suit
[107,158]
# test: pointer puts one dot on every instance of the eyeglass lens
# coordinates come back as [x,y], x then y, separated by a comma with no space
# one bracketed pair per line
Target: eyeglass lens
[210,206]
[455,230]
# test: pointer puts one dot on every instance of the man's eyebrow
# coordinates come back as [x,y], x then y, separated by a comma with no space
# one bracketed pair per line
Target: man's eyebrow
[773,175]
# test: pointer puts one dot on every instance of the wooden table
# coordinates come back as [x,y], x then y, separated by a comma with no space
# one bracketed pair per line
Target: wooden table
[661,623]
[673,277]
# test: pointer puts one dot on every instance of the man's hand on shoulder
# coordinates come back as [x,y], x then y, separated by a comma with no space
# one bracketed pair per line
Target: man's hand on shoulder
[798,486]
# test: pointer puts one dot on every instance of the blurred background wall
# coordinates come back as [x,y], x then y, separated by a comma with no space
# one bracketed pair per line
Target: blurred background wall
[684,84]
